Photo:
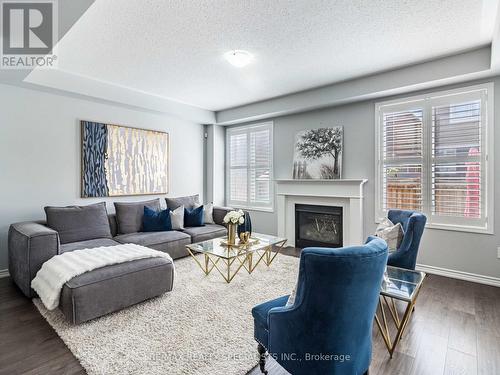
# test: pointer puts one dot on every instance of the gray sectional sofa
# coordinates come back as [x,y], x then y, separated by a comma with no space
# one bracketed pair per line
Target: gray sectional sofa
[114,287]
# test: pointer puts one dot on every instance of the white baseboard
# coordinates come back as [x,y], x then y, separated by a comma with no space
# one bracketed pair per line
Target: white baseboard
[4,273]
[475,278]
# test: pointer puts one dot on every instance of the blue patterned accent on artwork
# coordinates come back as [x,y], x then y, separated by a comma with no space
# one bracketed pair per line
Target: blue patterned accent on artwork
[94,154]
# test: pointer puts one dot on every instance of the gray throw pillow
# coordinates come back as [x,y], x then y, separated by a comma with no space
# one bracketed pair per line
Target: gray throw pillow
[129,214]
[392,233]
[177,218]
[79,223]
[188,202]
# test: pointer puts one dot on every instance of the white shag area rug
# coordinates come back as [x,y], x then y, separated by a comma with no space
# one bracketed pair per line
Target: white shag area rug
[204,326]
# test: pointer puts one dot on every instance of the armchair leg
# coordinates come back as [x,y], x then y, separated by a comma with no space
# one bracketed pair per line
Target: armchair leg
[262,359]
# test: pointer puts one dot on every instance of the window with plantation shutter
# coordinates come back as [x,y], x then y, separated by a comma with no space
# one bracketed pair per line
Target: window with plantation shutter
[433,157]
[403,159]
[249,166]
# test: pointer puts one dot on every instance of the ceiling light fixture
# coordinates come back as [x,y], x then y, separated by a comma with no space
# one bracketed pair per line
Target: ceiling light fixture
[238,57]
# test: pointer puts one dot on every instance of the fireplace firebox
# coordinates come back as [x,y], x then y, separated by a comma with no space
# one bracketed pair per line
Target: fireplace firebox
[318,226]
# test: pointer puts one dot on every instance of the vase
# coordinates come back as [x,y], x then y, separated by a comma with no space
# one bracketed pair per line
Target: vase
[246,226]
[231,233]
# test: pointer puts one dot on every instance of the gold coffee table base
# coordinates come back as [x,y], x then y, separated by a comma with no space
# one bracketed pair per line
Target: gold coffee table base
[229,267]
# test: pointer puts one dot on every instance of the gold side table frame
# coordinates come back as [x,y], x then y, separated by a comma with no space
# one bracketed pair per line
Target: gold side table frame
[399,322]
[244,257]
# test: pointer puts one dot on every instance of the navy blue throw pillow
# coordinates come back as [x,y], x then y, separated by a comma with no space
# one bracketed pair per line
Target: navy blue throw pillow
[194,217]
[156,221]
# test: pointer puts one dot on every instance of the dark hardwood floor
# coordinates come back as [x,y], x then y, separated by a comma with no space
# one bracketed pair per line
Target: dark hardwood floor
[28,344]
[455,330]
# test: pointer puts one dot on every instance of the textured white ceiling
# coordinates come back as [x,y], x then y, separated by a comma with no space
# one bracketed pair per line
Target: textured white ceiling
[175,48]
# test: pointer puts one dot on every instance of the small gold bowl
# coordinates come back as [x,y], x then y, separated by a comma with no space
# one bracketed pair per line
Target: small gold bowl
[244,237]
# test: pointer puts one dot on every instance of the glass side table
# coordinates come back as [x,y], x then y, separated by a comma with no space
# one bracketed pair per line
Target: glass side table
[403,285]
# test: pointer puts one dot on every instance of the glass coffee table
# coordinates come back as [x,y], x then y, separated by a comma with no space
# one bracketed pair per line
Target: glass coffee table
[228,260]
[403,285]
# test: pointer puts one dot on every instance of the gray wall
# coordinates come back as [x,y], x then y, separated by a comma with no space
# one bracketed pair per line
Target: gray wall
[468,252]
[40,152]
[215,164]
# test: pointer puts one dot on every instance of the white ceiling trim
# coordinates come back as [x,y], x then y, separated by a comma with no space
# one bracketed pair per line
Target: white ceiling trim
[449,70]
[69,82]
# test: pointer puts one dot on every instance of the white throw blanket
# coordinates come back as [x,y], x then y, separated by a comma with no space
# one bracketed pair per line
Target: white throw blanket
[55,272]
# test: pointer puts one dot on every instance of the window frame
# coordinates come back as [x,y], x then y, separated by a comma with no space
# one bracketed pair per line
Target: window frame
[426,102]
[247,129]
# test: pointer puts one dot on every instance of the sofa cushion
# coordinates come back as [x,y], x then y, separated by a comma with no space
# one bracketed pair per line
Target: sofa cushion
[392,233]
[89,244]
[112,224]
[156,221]
[194,217]
[188,202]
[151,238]
[129,214]
[79,223]
[114,287]
[208,213]
[172,242]
[219,213]
[177,218]
[207,232]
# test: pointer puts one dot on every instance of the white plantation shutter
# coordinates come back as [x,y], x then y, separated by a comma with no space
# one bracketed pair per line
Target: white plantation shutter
[432,156]
[238,144]
[403,159]
[260,166]
[249,166]
[456,159]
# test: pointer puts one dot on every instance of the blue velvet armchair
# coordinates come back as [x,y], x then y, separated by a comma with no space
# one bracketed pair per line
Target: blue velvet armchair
[413,225]
[328,329]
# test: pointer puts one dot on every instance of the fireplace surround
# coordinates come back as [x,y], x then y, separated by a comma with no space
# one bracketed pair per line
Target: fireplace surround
[344,193]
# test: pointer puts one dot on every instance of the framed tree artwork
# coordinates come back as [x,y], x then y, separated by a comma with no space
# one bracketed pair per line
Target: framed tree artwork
[120,160]
[318,153]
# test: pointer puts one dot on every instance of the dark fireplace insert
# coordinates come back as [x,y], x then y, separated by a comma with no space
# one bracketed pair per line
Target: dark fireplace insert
[318,226]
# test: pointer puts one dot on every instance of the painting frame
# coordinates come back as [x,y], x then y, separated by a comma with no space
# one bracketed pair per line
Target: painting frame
[318,153]
[166,134]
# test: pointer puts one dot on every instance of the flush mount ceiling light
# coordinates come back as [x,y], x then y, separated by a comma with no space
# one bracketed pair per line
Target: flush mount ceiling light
[239,58]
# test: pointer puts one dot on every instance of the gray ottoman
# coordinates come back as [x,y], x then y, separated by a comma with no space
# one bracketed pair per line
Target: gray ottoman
[115,287]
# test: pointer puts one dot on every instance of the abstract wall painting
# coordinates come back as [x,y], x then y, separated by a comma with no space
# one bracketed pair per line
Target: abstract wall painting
[119,160]
[318,153]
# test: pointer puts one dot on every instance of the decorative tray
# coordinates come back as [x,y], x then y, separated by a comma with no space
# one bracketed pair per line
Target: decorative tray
[238,244]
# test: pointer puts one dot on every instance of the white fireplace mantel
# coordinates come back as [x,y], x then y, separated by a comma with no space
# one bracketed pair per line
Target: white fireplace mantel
[345,193]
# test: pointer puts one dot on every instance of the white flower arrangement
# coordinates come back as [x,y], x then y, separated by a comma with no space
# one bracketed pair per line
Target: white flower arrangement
[235,217]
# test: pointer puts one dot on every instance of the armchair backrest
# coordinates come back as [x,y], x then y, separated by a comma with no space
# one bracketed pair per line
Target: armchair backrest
[413,225]
[337,295]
